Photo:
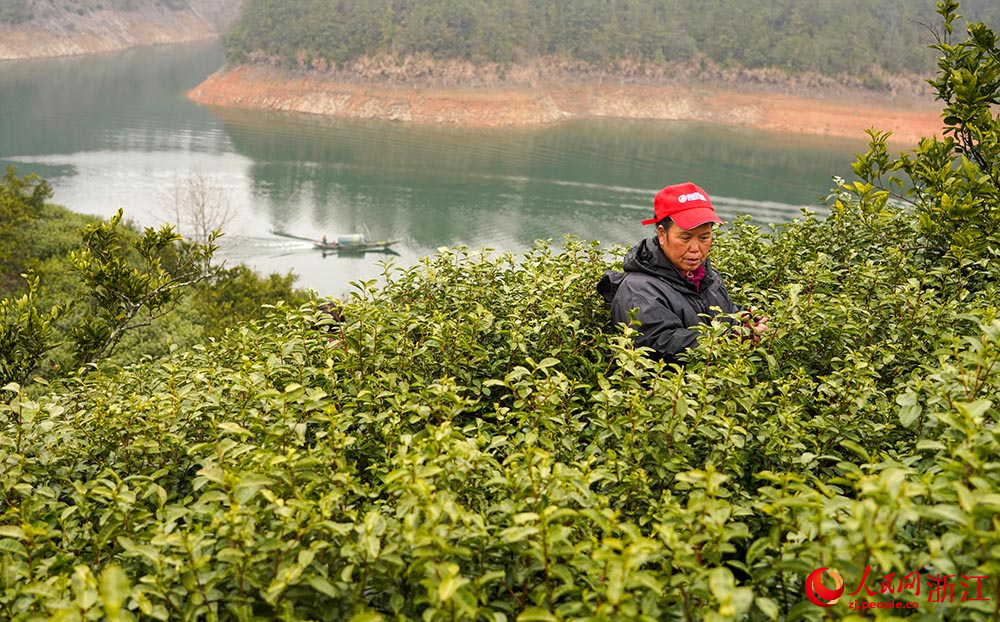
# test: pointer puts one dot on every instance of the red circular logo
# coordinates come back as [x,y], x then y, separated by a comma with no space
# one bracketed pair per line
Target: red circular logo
[815,590]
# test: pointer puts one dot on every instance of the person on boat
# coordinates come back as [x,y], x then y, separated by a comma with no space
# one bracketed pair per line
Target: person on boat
[668,280]
[324,240]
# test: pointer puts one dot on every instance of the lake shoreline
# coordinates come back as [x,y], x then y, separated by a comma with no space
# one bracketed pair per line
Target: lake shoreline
[845,115]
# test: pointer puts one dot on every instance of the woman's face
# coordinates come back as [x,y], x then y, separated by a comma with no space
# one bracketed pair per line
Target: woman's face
[686,248]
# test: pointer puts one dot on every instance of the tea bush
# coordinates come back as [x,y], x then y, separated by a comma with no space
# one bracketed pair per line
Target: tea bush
[74,288]
[468,442]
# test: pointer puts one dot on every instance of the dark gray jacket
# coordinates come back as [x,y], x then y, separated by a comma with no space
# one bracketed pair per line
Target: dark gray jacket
[668,303]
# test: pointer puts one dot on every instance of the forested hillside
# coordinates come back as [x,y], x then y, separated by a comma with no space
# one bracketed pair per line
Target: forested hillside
[23,11]
[40,28]
[831,37]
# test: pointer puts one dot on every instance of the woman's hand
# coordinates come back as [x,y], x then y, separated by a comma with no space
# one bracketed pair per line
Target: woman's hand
[755,323]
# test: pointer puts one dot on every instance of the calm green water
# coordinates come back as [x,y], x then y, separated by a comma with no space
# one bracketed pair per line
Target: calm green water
[116,131]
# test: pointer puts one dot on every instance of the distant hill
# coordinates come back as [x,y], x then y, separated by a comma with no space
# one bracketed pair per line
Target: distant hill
[39,28]
[855,40]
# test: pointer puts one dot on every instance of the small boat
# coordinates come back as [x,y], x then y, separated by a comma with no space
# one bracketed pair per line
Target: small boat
[354,242]
[350,243]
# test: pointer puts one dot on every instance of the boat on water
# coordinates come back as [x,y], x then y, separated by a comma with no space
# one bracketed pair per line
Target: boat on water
[349,243]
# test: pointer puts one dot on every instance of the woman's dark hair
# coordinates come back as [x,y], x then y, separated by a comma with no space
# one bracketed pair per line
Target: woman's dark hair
[665,223]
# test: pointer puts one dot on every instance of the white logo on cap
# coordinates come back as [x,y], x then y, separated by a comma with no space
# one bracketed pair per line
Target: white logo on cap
[694,196]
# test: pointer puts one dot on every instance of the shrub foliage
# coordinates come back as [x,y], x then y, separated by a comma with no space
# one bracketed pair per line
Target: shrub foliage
[76,289]
[468,443]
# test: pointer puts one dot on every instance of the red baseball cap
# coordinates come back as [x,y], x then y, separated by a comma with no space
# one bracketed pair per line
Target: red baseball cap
[686,204]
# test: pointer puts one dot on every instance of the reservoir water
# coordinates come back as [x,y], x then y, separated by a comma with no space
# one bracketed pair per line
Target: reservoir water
[117,131]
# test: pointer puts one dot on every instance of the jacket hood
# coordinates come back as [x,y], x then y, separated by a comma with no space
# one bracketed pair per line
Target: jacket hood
[647,257]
